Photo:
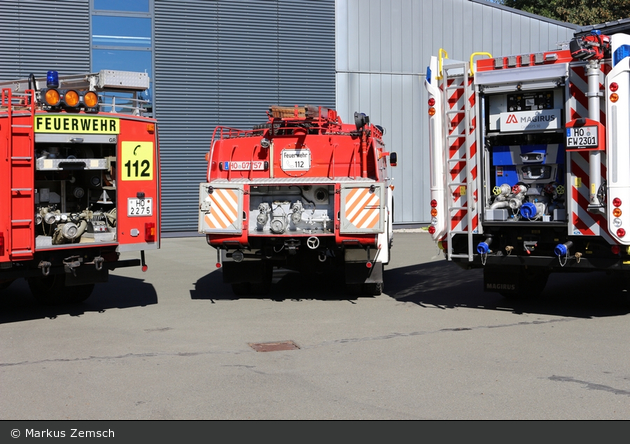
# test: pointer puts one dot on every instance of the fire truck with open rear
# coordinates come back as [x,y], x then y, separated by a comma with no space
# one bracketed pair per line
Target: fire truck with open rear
[530,161]
[79,180]
[303,191]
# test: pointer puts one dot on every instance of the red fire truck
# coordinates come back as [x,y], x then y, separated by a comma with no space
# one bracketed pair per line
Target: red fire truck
[530,163]
[303,191]
[79,181]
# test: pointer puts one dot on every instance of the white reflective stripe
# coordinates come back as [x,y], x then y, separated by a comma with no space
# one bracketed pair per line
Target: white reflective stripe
[226,199]
[360,196]
[372,214]
[223,209]
[364,208]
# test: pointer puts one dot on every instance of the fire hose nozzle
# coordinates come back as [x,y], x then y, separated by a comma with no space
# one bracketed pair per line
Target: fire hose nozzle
[484,247]
[562,249]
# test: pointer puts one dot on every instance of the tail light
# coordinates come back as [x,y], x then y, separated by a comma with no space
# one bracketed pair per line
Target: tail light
[1,244]
[434,213]
[149,232]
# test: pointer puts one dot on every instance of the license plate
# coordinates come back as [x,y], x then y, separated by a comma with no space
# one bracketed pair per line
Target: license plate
[582,137]
[140,207]
[244,166]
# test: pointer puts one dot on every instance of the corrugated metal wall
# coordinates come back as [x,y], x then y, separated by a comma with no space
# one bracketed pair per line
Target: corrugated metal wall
[383,49]
[226,62]
[40,35]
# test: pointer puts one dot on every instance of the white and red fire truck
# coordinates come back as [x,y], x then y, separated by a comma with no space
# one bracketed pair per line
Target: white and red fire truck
[530,162]
[303,191]
[79,180]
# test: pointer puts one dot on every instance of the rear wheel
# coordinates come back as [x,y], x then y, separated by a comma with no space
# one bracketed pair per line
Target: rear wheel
[370,289]
[373,289]
[241,288]
[52,290]
[262,274]
[5,284]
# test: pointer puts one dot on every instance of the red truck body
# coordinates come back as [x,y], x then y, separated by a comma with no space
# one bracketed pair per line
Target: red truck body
[78,185]
[303,191]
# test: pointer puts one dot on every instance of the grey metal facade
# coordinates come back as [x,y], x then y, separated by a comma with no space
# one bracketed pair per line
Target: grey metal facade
[37,36]
[383,49]
[226,62]
[215,62]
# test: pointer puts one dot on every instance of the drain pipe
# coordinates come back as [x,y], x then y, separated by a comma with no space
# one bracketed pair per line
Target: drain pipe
[594,161]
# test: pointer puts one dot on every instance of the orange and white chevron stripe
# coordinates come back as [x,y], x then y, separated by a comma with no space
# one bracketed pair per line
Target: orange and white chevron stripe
[362,208]
[223,209]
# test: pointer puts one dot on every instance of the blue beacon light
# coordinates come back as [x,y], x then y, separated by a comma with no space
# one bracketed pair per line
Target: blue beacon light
[52,79]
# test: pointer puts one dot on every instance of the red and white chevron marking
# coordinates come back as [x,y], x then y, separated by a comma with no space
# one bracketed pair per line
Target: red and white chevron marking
[581,221]
[578,87]
[460,195]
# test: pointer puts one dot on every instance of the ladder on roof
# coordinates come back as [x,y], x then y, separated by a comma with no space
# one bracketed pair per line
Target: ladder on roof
[104,80]
[460,156]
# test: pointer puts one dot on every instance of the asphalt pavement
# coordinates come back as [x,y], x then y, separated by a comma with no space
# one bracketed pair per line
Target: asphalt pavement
[175,343]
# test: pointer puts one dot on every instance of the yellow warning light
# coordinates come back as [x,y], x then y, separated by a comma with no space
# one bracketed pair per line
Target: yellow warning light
[614,97]
[434,212]
[90,99]
[617,212]
[52,97]
[431,111]
[71,98]
[151,128]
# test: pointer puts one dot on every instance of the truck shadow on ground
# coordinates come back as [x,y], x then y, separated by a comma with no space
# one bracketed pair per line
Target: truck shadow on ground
[287,285]
[445,285]
[17,304]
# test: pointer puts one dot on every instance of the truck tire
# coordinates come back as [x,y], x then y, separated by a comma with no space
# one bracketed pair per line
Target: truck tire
[5,284]
[241,288]
[373,289]
[52,290]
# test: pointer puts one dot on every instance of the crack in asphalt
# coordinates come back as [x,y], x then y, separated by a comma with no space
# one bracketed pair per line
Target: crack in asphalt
[314,346]
[590,385]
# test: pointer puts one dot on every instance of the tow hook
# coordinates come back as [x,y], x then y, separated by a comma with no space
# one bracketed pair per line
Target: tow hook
[71,264]
[292,245]
[45,266]
[98,263]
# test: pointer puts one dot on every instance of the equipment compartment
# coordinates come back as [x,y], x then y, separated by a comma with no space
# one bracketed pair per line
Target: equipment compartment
[75,194]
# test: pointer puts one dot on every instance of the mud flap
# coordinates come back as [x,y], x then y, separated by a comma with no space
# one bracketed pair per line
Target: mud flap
[515,281]
[358,273]
[253,272]
[86,275]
